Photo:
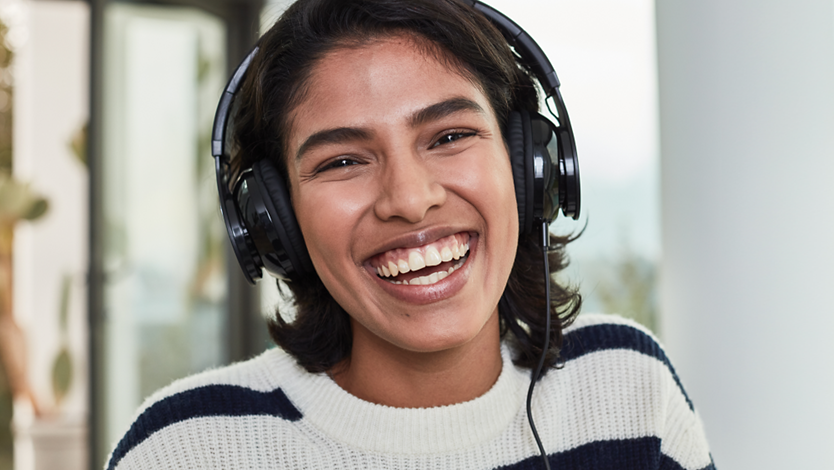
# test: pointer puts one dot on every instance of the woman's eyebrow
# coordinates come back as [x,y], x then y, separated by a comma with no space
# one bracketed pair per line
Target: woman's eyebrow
[443,109]
[333,136]
[427,114]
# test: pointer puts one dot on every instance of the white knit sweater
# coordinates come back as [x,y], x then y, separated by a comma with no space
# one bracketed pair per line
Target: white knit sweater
[616,404]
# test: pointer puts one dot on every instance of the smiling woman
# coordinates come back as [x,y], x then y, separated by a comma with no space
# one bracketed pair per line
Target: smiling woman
[427,163]
[390,164]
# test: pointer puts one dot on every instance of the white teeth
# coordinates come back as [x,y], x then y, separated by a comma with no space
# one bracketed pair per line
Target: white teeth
[402,265]
[446,254]
[432,256]
[416,261]
[431,278]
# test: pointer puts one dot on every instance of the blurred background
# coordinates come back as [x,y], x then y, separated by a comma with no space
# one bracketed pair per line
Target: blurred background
[705,131]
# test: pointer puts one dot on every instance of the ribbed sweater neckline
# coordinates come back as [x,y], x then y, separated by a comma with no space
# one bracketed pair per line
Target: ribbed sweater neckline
[379,428]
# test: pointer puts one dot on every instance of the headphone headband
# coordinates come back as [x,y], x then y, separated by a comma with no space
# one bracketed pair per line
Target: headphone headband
[528,48]
[221,116]
[546,171]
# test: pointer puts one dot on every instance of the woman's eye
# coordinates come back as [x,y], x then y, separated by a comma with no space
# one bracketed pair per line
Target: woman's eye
[337,163]
[451,137]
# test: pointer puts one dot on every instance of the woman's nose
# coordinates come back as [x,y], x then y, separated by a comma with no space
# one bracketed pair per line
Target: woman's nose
[409,189]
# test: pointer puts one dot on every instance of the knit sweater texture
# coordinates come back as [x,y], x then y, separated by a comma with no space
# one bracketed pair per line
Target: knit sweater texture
[616,404]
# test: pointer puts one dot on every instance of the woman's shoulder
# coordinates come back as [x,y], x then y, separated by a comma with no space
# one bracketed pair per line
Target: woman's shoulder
[615,368]
[611,344]
[594,332]
[249,388]
[619,351]
[262,374]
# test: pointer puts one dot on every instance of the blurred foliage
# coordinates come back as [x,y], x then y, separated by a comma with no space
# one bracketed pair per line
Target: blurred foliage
[5,422]
[62,370]
[78,144]
[629,288]
[165,355]
[18,202]
[5,168]
[61,374]
[5,101]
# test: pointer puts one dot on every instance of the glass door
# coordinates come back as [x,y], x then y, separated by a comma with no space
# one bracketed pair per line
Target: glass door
[164,271]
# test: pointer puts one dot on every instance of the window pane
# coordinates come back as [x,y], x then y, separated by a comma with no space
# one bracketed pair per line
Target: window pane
[165,285]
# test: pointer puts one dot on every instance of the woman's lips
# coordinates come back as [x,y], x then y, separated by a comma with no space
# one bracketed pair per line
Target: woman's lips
[439,286]
[432,258]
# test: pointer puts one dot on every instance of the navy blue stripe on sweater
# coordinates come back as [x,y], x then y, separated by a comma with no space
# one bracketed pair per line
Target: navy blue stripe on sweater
[622,454]
[210,400]
[594,338]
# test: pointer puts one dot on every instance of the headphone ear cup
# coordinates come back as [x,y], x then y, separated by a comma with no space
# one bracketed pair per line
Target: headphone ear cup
[279,207]
[242,245]
[548,181]
[569,187]
[519,142]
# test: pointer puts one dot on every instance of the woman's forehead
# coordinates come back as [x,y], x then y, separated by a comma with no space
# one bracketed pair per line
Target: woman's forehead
[428,48]
[366,51]
[384,79]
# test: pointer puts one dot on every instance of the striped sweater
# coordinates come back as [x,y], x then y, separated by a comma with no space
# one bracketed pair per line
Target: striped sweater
[616,404]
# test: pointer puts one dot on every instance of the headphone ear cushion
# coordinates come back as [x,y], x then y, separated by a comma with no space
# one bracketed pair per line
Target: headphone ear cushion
[272,182]
[519,144]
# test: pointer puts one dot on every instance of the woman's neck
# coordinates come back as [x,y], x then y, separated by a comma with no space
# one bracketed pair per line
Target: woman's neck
[381,373]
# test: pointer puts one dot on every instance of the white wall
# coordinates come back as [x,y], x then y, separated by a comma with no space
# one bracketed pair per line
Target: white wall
[747,157]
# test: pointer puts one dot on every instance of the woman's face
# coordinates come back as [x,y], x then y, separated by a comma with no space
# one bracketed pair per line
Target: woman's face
[404,194]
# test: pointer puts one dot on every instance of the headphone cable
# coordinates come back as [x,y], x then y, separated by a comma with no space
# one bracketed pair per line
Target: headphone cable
[537,373]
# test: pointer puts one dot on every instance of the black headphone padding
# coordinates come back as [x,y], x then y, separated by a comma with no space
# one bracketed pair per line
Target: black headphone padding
[519,143]
[270,180]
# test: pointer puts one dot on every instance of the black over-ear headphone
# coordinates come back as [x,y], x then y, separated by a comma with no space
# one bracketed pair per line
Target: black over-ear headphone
[259,216]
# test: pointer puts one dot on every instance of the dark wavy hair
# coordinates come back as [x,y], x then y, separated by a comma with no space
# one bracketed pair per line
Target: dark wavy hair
[454,33]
